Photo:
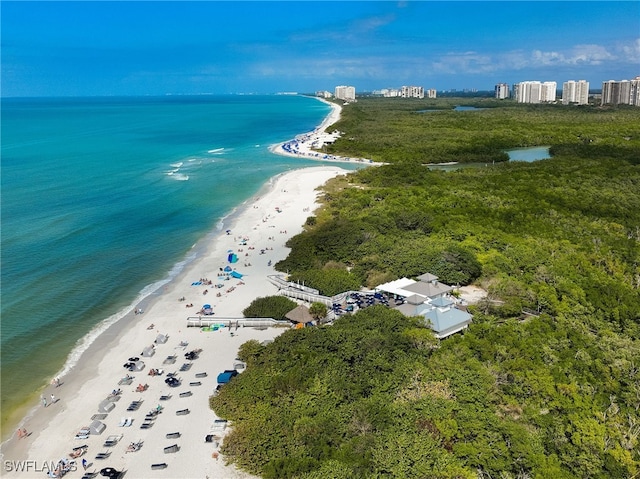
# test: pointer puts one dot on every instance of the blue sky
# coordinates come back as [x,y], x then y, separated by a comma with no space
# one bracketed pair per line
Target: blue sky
[154,48]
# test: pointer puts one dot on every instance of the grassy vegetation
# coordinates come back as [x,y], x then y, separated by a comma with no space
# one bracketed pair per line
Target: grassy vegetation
[375,395]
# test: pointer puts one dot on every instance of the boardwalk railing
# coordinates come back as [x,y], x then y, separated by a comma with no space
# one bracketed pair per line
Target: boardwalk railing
[281,283]
[206,321]
[304,293]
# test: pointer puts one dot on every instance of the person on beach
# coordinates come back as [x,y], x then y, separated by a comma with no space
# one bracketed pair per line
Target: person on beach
[84,464]
[44,400]
[53,399]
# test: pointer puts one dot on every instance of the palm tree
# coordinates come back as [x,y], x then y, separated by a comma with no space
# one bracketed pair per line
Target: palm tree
[318,311]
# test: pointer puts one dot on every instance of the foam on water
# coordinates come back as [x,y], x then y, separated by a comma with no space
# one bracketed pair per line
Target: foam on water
[86,341]
[84,246]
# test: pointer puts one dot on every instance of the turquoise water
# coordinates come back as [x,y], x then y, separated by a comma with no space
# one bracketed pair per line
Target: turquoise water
[103,199]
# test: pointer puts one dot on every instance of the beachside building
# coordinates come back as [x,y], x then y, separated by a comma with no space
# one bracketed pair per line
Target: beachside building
[501,91]
[323,94]
[431,93]
[346,93]
[431,299]
[575,92]
[623,92]
[412,92]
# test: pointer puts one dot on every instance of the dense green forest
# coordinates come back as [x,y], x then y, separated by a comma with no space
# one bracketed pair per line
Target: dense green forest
[416,131]
[555,394]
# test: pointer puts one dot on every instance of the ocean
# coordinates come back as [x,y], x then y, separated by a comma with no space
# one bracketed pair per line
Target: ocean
[103,200]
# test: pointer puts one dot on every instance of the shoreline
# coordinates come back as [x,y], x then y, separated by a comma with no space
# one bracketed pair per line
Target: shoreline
[142,299]
[99,367]
[305,145]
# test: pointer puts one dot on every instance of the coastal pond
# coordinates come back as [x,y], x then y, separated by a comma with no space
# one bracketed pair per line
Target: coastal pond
[456,108]
[527,155]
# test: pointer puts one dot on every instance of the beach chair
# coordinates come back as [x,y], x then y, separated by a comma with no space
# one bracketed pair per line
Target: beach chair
[170,360]
[160,465]
[134,446]
[102,456]
[201,375]
[126,381]
[112,440]
[171,449]
[172,435]
[165,397]
[83,433]
[219,425]
[195,383]
[78,451]
[186,394]
[182,412]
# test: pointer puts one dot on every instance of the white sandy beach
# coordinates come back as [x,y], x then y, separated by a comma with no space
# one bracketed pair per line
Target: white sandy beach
[307,145]
[266,223]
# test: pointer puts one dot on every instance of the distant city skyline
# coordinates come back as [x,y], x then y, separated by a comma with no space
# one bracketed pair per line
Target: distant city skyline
[157,48]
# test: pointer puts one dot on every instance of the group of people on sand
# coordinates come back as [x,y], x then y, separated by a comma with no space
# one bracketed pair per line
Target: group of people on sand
[63,466]
[44,400]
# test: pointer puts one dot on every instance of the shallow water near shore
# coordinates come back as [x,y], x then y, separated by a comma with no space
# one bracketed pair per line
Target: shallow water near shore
[103,200]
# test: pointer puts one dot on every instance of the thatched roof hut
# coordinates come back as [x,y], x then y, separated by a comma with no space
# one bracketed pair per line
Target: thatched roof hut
[299,314]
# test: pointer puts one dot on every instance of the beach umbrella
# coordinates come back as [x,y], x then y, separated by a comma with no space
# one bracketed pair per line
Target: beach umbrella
[227,268]
[109,472]
[229,251]
[206,306]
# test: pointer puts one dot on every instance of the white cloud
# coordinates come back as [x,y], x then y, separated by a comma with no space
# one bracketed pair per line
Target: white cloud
[358,30]
[631,52]
[578,55]
[468,62]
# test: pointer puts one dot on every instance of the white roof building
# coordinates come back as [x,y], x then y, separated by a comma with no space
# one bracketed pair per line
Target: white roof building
[429,298]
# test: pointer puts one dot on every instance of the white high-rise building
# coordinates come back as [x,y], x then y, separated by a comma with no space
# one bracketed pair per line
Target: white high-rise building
[431,93]
[346,93]
[549,91]
[535,92]
[622,92]
[635,92]
[575,92]
[502,91]
[412,92]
